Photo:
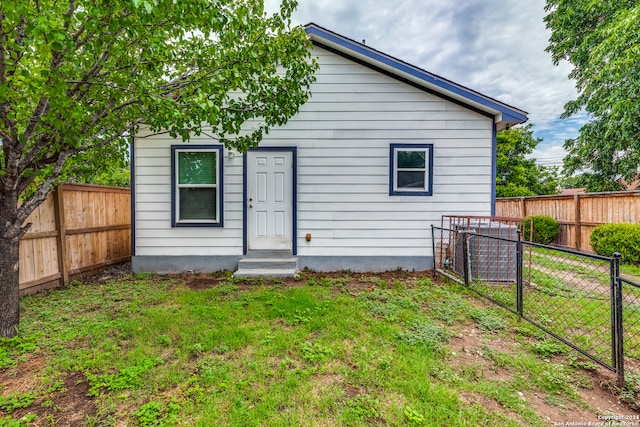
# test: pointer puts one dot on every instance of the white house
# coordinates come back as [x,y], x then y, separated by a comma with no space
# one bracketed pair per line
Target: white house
[354,181]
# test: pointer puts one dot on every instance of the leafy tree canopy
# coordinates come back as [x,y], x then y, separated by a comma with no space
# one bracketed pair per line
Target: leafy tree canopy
[591,182]
[79,76]
[115,176]
[601,39]
[515,174]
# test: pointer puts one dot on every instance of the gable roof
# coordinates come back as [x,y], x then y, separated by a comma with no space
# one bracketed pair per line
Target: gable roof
[630,186]
[503,114]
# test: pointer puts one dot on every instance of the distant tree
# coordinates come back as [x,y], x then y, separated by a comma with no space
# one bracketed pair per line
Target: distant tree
[590,182]
[78,76]
[114,177]
[115,173]
[515,174]
[601,39]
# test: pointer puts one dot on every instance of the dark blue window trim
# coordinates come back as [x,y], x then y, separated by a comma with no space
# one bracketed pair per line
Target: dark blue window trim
[174,186]
[392,170]
[294,213]
[132,186]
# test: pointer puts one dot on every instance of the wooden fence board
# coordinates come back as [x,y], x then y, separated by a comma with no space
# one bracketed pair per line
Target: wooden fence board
[79,229]
[577,214]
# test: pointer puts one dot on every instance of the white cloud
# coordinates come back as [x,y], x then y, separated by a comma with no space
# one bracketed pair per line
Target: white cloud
[496,47]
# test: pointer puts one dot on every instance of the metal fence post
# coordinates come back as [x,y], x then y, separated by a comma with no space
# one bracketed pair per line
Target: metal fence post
[619,327]
[519,268]
[465,256]
[433,247]
[614,336]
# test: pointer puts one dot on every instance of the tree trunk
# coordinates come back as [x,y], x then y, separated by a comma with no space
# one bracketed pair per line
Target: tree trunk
[11,231]
[9,285]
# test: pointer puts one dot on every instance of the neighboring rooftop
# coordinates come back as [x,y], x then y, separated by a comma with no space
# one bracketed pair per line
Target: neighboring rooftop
[571,191]
[629,186]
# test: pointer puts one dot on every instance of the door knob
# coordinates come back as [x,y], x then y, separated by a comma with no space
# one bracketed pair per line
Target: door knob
[250,206]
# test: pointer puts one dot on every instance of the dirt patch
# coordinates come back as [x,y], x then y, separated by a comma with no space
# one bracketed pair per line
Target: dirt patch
[70,405]
[471,351]
[73,407]
[66,403]
[351,391]
[471,354]
[389,277]
[599,399]
[24,377]
[471,398]
[342,281]
[199,283]
[113,272]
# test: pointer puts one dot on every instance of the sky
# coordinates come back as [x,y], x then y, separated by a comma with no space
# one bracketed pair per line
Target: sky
[496,47]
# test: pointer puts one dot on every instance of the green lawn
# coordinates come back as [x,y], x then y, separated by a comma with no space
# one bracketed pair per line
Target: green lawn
[351,349]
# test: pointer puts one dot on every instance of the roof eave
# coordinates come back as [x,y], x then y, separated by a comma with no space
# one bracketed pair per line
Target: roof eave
[504,115]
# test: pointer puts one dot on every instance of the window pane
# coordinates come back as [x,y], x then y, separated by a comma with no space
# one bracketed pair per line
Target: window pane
[198,203]
[411,179]
[197,167]
[411,159]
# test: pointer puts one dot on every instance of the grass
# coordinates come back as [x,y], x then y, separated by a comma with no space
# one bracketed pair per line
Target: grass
[569,262]
[630,269]
[595,271]
[353,351]
[573,293]
[569,295]
[580,316]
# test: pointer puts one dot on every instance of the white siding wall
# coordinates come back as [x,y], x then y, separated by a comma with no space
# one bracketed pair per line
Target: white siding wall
[343,135]
[154,234]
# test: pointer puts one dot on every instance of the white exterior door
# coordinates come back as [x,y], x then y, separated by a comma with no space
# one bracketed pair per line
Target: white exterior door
[269,200]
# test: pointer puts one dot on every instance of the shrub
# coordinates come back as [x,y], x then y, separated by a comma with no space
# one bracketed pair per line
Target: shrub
[624,238]
[545,229]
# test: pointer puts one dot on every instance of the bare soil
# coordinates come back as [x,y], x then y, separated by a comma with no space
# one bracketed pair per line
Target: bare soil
[599,395]
[71,406]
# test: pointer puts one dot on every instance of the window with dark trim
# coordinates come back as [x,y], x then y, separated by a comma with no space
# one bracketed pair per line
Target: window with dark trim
[411,169]
[196,186]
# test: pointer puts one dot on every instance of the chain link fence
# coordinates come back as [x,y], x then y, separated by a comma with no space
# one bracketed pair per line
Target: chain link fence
[578,298]
[569,295]
[629,296]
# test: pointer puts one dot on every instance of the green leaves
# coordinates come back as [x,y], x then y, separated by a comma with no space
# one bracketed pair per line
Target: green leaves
[517,175]
[78,80]
[601,41]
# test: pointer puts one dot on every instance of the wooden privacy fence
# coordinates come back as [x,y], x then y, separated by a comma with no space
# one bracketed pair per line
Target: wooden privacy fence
[78,230]
[577,214]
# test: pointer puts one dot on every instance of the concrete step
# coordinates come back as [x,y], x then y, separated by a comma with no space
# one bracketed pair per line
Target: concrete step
[268,264]
[265,272]
[278,266]
[269,254]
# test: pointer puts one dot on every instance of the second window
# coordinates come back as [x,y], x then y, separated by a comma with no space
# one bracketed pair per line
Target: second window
[411,169]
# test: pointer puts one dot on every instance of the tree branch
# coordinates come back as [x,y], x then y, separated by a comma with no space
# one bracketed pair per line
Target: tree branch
[40,195]
[36,159]
[3,65]
[40,110]
[4,73]
[69,14]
